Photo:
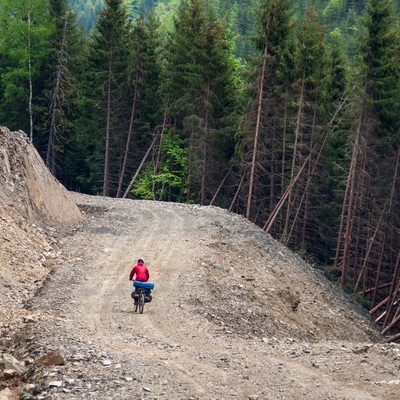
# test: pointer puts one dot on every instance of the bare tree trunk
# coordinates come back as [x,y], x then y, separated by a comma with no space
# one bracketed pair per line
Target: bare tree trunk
[256,133]
[128,139]
[292,172]
[378,272]
[394,321]
[346,219]
[378,306]
[205,153]
[274,213]
[394,338]
[140,167]
[106,179]
[350,212]
[304,198]
[155,169]
[30,76]
[190,172]
[237,192]
[310,173]
[367,255]
[284,143]
[283,167]
[393,291]
[220,186]
[272,168]
[271,219]
[357,229]
[371,289]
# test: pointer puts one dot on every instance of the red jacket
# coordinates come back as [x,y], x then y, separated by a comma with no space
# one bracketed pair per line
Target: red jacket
[141,271]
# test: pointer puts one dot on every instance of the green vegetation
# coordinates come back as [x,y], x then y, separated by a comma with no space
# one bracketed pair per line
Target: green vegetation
[168,180]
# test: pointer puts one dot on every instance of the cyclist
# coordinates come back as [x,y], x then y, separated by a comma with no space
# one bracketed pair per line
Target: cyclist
[141,272]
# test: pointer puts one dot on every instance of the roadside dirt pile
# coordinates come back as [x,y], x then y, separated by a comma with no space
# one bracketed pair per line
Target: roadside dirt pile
[32,206]
[235,315]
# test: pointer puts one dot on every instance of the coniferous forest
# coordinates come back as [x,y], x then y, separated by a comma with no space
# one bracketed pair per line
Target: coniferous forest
[283,111]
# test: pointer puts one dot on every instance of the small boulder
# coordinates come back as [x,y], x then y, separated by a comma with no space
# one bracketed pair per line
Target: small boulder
[50,359]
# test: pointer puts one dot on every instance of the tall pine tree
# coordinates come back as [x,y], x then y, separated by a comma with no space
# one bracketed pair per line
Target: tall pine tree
[24,31]
[67,47]
[198,87]
[107,87]
[145,108]
[262,127]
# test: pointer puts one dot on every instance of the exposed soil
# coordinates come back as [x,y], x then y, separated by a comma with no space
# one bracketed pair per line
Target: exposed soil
[235,315]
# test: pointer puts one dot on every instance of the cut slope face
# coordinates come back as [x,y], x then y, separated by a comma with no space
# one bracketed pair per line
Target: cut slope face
[33,204]
[27,186]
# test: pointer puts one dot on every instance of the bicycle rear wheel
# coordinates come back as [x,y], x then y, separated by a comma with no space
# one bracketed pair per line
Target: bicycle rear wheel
[141,302]
[136,304]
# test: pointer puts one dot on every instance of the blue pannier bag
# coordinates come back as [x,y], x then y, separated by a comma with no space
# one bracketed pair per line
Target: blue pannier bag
[145,285]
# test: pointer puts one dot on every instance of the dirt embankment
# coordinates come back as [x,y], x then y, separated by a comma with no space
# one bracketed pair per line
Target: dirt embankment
[33,207]
[235,315]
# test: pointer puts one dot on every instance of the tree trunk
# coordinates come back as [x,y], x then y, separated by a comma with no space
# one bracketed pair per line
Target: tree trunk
[220,186]
[378,272]
[190,173]
[257,132]
[30,77]
[271,219]
[393,291]
[346,219]
[236,194]
[205,151]
[274,213]
[130,134]
[292,172]
[106,180]
[140,167]
[155,169]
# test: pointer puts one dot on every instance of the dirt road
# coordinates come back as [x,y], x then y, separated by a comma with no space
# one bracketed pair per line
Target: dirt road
[234,315]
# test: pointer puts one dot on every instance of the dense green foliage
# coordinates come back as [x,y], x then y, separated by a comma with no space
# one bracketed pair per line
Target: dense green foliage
[86,12]
[168,181]
[283,111]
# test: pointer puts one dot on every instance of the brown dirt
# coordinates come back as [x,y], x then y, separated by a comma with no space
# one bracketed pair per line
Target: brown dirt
[235,315]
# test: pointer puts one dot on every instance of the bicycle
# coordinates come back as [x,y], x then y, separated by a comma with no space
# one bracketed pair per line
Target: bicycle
[141,294]
[139,301]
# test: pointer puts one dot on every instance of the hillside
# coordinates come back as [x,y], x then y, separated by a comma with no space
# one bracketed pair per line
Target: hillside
[32,205]
[234,314]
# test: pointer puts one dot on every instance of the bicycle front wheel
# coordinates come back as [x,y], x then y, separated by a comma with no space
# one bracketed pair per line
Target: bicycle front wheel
[141,303]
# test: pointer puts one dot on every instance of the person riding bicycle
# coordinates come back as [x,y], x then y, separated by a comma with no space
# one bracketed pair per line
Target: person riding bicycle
[142,275]
[141,272]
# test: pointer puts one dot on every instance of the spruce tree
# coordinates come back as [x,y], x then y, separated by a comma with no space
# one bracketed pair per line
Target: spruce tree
[262,127]
[198,88]
[335,157]
[107,88]
[144,80]
[309,118]
[67,46]
[24,31]
[380,54]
